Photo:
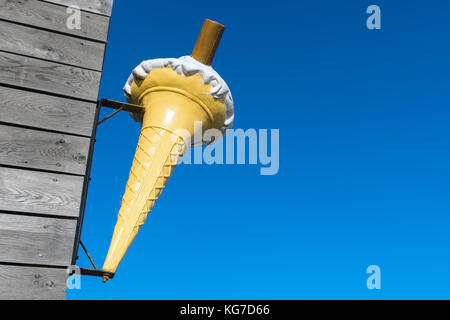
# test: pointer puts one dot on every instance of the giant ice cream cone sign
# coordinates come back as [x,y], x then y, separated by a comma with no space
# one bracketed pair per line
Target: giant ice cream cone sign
[177,95]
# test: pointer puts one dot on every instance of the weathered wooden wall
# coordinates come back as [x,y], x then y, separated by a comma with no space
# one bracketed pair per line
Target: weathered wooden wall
[49,81]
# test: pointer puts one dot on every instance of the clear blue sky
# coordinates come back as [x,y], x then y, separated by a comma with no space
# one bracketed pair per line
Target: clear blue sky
[364,156]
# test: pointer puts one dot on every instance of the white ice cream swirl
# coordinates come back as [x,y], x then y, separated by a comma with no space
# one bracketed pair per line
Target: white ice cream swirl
[186,66]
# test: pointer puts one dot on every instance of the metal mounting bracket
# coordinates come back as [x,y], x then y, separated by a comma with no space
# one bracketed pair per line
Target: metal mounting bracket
[120,106]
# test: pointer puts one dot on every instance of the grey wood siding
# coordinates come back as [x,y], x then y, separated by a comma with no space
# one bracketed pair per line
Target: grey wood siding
[44,111]
[49,81]
[36,240]
[43,150]
[47,76]
[99,6]
[40,192]
[51,46]
[53,17]
[32,283]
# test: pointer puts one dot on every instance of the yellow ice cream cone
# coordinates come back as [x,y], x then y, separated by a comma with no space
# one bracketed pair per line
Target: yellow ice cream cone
[174,106]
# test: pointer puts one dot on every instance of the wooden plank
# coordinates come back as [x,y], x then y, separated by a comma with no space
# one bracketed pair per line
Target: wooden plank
[51,46]
[40,192]
[54,17]
[47,112]
[32,283]
[98,6]
[49,76]
[43,150]
[36,240]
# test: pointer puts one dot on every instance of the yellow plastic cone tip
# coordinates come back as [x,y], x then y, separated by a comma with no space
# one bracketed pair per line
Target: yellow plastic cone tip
[175,93]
